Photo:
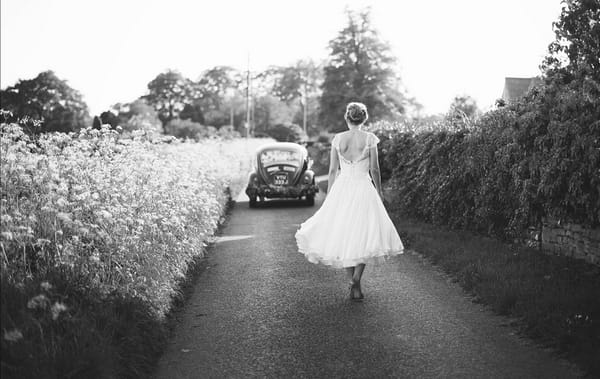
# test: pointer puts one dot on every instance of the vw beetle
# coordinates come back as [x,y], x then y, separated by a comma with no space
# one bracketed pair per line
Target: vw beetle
[281,170]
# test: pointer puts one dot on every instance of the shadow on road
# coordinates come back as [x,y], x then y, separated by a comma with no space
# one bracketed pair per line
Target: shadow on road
[269,204]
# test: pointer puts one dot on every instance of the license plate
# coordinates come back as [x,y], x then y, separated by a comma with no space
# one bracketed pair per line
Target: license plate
[280,180]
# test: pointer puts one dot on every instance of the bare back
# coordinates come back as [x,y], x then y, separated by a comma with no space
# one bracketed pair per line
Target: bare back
[352,144]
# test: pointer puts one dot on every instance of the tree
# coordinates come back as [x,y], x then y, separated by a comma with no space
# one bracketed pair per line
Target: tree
[287,132]
[193,112]
[299,83]
[137,115]
[576,52]
[110,118]
[215,83]
[360,68]
[168,93]
[465,105]
[97,123]
[269,111]
[220,98]
[47,98]
[292,82]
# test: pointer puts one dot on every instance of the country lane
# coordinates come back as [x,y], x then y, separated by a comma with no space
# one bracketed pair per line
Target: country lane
[259,309]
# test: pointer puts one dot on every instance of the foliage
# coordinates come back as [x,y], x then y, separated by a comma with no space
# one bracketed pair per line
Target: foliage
[137,115]
[48,98]
[514,167]
[269,112]
[96,233]
[215,84]
[535,158]
[287,133]
[227,132]
[361,68]
[463,110]
[299,83]
[293,82]
[189,129]
[145,122]
[109,118]
[576,52]
[168,93]
[192,112]
[550,298]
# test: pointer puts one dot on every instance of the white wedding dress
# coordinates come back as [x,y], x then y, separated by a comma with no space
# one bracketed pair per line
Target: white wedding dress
[352,226]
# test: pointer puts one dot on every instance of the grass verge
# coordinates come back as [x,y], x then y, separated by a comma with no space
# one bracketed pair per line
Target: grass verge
[553,299]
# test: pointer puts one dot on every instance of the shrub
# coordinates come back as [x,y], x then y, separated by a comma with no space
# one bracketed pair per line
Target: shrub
[186,129]
[227,132]
[287,133]
[515,165]
[96,234]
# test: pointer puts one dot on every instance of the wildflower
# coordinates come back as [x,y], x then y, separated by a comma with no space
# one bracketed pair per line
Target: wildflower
[13,335]
[105,214]
[39,301]
[56,309]
[6,219]
[46,286]
[7,236]
[64,217]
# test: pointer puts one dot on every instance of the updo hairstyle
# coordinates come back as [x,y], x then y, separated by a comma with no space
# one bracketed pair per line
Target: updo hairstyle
[356,113]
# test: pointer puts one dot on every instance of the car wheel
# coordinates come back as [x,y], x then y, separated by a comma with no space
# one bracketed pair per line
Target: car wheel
[310,200]
[252,202]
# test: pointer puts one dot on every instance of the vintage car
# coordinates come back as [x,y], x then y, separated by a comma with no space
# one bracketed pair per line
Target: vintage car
[281,170]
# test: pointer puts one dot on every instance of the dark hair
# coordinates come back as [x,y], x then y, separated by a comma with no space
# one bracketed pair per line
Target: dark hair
[356,113]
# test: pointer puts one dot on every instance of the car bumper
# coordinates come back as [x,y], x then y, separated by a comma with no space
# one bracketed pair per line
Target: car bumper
[270,191]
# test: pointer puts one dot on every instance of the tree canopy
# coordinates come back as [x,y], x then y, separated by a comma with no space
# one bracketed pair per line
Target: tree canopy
[50,99]
[576,51]
[169,93]
[360,68]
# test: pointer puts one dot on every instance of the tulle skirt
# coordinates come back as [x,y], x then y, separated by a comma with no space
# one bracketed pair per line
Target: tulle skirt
[351,227]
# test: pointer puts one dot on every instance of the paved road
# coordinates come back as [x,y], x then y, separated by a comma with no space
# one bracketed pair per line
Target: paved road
[261,310]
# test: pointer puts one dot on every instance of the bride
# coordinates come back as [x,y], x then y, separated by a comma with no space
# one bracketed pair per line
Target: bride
[352,226]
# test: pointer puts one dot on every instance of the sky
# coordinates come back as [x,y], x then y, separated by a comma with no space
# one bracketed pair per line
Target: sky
[109,50]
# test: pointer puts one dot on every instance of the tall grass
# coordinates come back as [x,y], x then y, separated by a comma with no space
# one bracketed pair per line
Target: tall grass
[553,299]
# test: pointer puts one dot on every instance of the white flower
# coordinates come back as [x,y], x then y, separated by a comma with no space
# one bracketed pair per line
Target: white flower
[46,286]
[64,217]
[39,301]
[56,309]
[13,335]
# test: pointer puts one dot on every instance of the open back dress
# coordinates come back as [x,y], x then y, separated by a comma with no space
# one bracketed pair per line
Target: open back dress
[352,225]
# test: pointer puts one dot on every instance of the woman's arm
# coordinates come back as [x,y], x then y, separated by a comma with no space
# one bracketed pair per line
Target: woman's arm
[374,169]
[334,165]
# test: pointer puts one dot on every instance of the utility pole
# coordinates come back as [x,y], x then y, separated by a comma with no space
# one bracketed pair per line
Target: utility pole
[305,113]
[248,98]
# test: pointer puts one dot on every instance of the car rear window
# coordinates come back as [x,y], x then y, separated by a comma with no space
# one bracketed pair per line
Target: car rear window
[269,157]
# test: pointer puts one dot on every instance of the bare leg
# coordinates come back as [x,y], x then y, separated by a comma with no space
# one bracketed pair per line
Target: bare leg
[350,272]
[358,271]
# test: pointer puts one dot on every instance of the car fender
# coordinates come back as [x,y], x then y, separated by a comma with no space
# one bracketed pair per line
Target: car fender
[310,174]
[251,177]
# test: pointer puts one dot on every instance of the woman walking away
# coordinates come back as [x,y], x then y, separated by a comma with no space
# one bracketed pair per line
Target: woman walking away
[352,227]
